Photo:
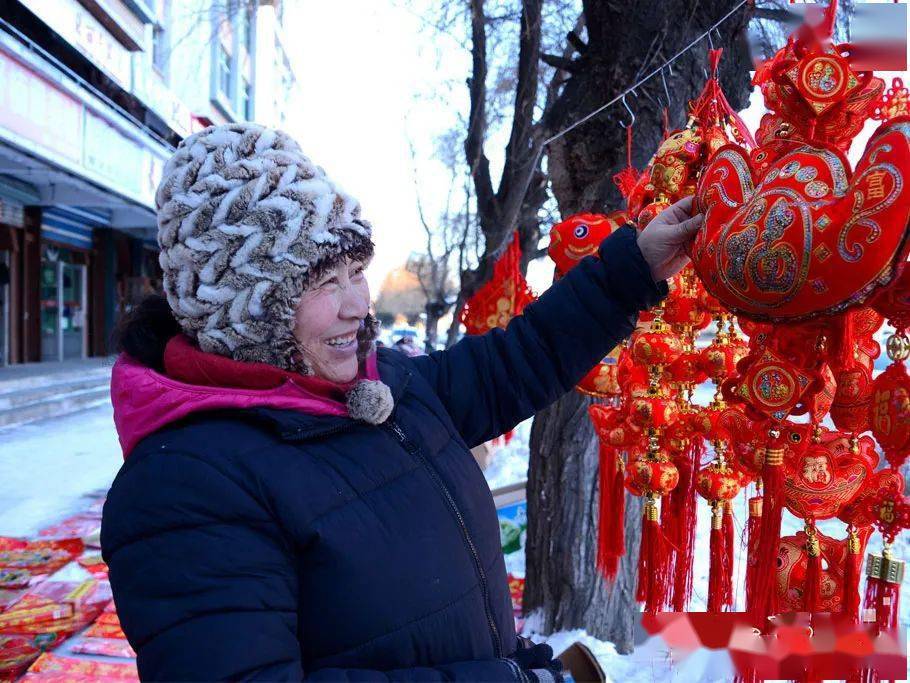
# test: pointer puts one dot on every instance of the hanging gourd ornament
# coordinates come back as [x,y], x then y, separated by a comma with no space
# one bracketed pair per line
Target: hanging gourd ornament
[891,402]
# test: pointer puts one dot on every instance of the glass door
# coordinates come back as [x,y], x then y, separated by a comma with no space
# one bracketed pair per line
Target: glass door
[72,306]
[51,284]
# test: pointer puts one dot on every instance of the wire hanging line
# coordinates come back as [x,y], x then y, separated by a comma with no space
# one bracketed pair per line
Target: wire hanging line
[621,97]
[666,65]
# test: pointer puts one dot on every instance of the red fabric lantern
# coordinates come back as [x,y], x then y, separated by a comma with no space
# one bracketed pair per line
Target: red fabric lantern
[719,358]
[658,345]
[718,482]
[655,410]
[655,476]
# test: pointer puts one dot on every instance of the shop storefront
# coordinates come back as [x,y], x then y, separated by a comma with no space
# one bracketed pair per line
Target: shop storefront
[66,244]
[17,245]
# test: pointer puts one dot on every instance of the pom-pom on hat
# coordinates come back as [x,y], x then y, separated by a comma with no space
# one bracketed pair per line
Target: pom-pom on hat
[245,221]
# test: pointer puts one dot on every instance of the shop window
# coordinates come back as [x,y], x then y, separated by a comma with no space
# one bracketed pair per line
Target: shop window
[224,71]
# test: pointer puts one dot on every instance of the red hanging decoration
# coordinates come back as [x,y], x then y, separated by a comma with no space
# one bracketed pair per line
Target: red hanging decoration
[894,102]
[765,253]
[679,510]
[884,575]
[764,597]
[811,584]
[718,483]
[629,180]
[884,572]
[683,153]
[812,587]
[891,402]
[753,527]
[500,299]
[852,567]
[813,93]
[613,434]
[579,236]
[825,476]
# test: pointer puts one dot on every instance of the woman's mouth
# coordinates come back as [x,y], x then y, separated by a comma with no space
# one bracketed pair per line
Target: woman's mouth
[342,342]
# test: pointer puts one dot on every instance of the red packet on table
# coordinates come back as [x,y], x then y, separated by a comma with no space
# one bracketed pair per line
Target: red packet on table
[11,579]
[38,557]
[9,597]
[16,653]
[49,665]
[106,647]
[93,563]
[106,626]
[55,601]
[81,526]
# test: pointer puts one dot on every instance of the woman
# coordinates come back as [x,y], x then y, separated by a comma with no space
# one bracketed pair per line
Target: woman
[294,505]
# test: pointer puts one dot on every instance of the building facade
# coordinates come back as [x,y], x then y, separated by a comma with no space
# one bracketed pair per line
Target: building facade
[94,96]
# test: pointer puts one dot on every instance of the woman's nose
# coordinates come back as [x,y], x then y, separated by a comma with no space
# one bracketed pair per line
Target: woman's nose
[355,303]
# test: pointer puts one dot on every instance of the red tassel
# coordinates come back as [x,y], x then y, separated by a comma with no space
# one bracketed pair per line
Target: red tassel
[728,540]
[764,585]
[653,561]
[813,585]
[851,576]
[720,575]
[683,501]
[753,529]
[611,543]
[883,587]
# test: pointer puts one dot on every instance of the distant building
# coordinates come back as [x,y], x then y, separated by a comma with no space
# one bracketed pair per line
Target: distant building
[94,96]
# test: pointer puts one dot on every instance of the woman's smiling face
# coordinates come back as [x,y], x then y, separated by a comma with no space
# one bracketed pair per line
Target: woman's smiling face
[329,315]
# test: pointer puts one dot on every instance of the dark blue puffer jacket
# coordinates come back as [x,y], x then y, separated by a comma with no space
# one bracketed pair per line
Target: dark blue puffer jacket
[276,545]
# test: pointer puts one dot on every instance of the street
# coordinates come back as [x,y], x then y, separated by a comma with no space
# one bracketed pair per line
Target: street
[48,465]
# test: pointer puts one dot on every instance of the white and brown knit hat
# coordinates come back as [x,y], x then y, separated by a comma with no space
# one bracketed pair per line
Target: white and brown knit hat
[245,222]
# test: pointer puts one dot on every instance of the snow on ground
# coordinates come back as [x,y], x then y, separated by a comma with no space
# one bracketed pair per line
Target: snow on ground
[47,466]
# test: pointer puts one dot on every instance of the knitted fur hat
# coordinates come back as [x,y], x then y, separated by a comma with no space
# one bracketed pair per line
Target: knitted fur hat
[245,222]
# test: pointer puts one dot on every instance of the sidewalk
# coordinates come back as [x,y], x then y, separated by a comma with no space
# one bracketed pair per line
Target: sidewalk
[27,375]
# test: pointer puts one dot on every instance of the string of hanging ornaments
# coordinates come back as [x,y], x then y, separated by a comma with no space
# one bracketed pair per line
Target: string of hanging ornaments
[801,261]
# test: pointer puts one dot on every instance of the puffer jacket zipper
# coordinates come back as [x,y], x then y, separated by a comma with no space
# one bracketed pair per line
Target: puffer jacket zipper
[414,450]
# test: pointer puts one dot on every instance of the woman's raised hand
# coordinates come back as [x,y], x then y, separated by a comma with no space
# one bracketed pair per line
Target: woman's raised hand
[664,242]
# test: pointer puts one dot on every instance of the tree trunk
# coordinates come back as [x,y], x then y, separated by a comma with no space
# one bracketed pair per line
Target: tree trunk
[626,40]
[562,530]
